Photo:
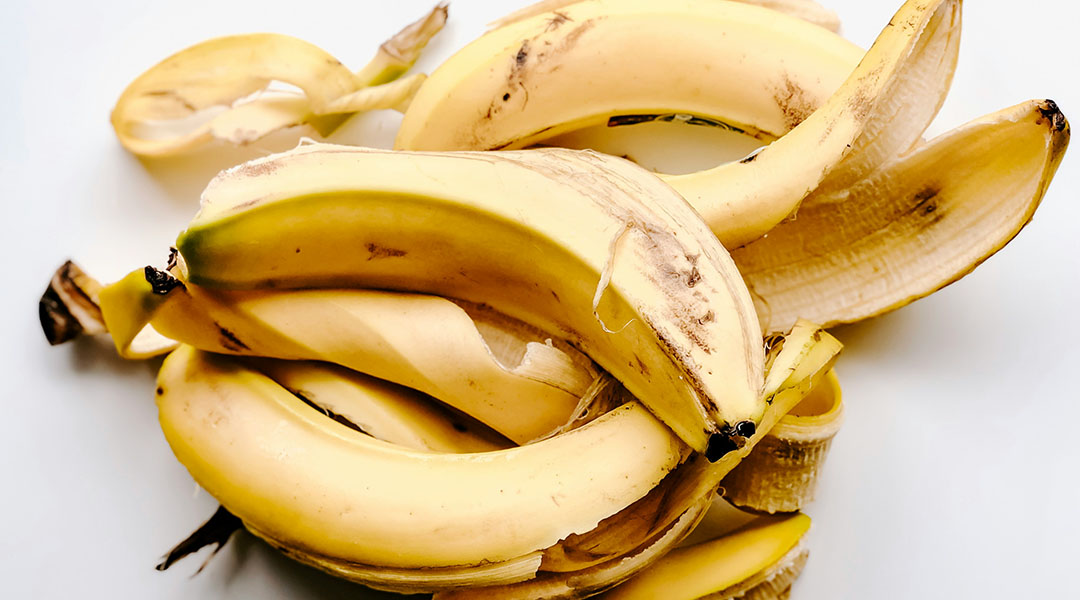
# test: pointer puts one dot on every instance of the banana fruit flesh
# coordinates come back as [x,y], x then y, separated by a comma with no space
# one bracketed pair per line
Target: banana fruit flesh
[635,280]
[920,222]
[521,83]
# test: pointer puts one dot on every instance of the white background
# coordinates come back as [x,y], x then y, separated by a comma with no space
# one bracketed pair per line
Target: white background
[954,476]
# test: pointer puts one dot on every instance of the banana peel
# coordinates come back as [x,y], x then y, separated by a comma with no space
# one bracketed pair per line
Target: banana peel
[217,90]
[919,222]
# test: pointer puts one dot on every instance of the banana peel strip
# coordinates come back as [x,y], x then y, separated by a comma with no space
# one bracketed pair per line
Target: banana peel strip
[185,100]
[920,222]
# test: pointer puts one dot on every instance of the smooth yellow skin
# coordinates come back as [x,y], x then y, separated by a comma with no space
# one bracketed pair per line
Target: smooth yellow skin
[312,483]
[709,567]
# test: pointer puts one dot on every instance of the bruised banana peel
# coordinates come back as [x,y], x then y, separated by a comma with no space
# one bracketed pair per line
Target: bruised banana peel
[922,221]
[196,95]
[636,280]
[521,83]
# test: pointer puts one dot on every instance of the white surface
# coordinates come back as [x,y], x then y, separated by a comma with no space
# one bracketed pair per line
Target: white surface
[954,476]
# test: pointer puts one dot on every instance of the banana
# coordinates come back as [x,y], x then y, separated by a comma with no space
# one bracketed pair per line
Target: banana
[522,83]
[383,410]
[278,464]
[756,561]
[921,221]
[634,280]
[196,95]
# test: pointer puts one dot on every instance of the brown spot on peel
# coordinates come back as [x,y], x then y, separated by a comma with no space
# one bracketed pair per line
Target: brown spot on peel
[378,251]
[793,101]
[229,339]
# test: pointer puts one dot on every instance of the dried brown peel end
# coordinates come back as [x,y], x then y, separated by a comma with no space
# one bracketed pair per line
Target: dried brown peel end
[781,474]
[69,308]
[216,531]
[399,53]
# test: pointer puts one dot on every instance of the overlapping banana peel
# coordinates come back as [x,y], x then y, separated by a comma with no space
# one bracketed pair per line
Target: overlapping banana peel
[522,83]
[619,546]
[196,389]
[218,89]
[614,549]
[868,236]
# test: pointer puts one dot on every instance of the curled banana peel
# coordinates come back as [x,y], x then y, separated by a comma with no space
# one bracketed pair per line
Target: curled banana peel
[781,475]
[218,89]
[288,486]
[924,219]
[636,281]
[521,83]
[807,10]
[630,541]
